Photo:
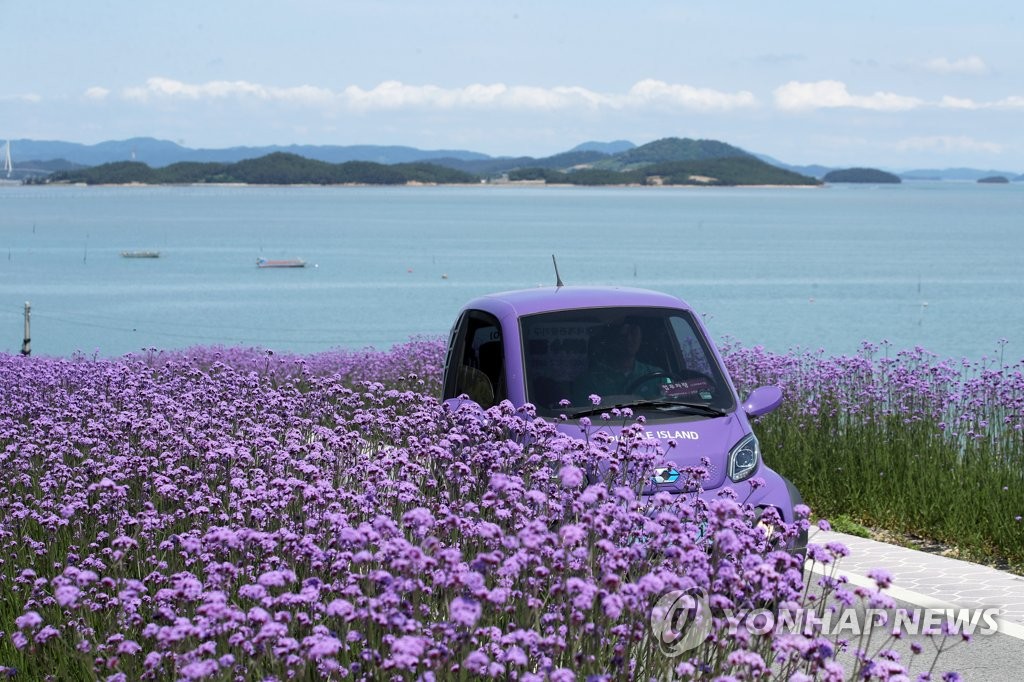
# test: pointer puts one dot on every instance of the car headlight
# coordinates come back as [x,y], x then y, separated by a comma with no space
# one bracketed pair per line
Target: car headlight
[744,458]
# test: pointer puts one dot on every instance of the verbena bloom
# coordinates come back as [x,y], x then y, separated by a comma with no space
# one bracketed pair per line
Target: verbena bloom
[47,633]
[28,621]
[128,647]
[199,669]
[67,595]
[571,476]
[881,577]
[340,608]
[464,611]
[476,662]
[407,651]
[323,646]
[276,578]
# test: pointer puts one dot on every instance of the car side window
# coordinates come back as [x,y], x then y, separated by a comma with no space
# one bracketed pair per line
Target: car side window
[477,360]
[694,355]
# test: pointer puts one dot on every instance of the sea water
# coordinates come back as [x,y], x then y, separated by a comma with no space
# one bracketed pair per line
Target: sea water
[930,264]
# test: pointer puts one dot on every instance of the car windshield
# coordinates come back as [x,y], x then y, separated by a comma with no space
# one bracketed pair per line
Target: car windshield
[646,358]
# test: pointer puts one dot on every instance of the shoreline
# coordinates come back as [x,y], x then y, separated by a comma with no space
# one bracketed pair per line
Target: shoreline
[510,184]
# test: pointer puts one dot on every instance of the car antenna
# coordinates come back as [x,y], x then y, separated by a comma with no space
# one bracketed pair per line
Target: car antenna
[558,278]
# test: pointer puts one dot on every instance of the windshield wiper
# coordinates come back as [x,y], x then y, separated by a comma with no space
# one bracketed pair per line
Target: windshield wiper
[668,405]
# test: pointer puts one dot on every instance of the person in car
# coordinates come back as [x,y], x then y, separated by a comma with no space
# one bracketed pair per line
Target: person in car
[614,367]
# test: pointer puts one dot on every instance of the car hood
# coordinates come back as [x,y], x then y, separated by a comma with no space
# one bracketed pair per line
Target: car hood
[693,440]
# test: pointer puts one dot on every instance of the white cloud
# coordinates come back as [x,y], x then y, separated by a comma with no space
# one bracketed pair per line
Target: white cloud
[688,97]
[394,95]
[97,93]
[797,96]
[1013,102]
[166,88]
[974,66]
[949,102]
[948,143]
[29,97]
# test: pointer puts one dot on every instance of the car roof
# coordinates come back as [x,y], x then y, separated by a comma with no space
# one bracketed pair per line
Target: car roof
[546,299]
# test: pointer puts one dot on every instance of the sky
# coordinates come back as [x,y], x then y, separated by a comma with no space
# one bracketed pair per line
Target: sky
[894,84]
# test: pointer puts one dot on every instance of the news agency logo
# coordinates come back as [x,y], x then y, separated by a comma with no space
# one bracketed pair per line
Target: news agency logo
[682,620]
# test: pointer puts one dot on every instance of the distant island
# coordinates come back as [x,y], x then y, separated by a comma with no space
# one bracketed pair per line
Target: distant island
[995,180]
[862,175]
[35,160]
[670,161]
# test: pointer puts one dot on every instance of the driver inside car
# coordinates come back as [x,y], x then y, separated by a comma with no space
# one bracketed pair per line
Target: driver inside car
[614,368]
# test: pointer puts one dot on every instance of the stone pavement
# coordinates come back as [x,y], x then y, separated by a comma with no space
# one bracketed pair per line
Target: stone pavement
[931,580]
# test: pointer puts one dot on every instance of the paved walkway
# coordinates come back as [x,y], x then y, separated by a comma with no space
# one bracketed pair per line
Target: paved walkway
[931,580]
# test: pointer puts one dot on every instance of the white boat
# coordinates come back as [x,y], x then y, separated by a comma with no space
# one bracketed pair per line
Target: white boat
[287,263]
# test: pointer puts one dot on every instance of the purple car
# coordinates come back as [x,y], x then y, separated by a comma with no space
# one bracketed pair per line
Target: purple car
[633,348]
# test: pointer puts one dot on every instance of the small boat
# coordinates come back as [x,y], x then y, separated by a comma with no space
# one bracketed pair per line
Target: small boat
[140,254]
[290,263]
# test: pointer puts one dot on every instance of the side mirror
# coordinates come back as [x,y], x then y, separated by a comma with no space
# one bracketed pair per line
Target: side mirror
[762,400]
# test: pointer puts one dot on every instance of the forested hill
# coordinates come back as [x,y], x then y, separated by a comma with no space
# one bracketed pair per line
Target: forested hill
[278,168]
[725,172]
[862,175]
[679,149]
[671,161]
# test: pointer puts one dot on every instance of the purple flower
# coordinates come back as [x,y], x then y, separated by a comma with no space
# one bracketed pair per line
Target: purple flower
[128,648]
[276,578]
[571,476]
[340,608]
[572,534]
[199,669]
[47,633]
[613,605]
[464,612]
[515,655]
[28,621]
[407,651]
[476,662]
[420,516]
[881,577]
[321,646]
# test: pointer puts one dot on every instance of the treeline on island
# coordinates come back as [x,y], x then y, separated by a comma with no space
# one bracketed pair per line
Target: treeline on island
[670,161]
[274,169]
[863,175]
[722,172]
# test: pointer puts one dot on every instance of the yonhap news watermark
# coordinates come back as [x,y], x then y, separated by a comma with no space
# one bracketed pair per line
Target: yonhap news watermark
[682,620]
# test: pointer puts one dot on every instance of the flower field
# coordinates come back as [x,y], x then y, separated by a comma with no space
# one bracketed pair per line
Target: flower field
[909,442]
[226,514]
